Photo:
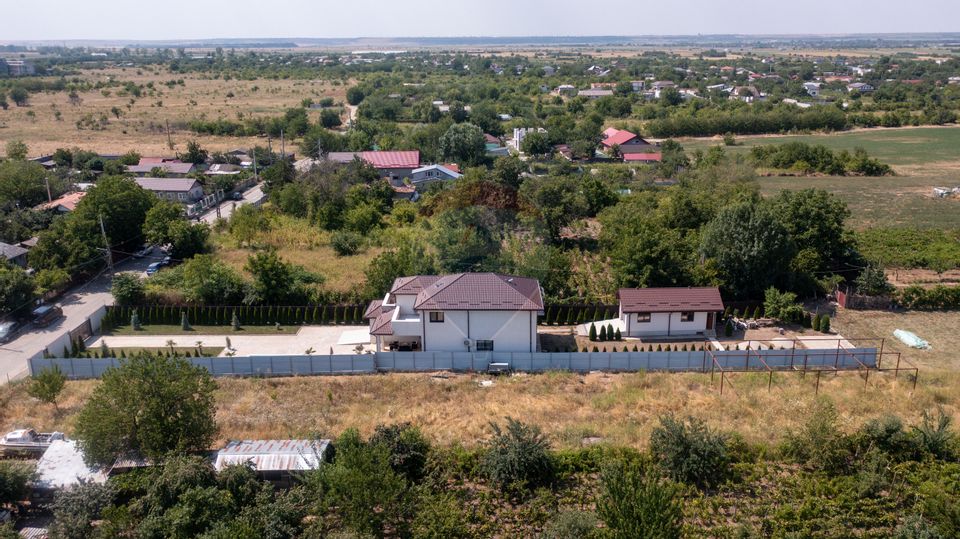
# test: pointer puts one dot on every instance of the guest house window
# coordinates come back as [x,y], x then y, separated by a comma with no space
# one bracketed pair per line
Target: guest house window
[643,318]
[484,346]
[436,316]
[686,316]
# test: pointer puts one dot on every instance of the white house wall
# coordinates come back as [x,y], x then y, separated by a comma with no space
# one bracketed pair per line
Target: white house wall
[665,324]
[510,331]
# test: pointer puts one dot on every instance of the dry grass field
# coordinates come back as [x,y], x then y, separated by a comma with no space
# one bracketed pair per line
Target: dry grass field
[142,124]
[619,408]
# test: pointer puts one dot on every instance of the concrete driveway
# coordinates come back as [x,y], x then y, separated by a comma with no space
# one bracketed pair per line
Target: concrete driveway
[322,339]
[77,304]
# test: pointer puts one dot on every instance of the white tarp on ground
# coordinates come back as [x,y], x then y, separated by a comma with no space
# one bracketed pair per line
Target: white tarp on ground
[356,336]
[911,339]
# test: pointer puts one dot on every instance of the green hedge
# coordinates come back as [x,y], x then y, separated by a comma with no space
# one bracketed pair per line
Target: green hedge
[937,298]
[249,315]
[267,315]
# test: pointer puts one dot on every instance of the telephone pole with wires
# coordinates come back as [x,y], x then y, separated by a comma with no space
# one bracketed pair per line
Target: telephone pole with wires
[106,243]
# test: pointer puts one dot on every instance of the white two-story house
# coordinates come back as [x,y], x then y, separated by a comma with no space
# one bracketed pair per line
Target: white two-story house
[668,312]
[463,312]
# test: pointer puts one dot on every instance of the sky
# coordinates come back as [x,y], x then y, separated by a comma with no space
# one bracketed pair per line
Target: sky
[137,20]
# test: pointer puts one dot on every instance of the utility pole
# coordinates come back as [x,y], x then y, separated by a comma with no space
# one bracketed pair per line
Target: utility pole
[283,147]
[46,180]
[169,140]
[106,243]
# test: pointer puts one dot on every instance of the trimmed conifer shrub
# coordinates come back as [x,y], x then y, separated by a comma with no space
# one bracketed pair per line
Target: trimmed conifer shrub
[603,333]
[593,331]
[617,336]
[825,324]
[816,322]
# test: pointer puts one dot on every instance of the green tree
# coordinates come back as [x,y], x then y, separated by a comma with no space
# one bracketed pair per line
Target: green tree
[464,144]
[22,183]
[14,481]
[689,451]
[276,282]
[751,249]
[20,96]
[554,202]
[195,153]
[535,143]
[127,289]
[330,118]
[17,290]
[782,306]
[872,281]
[370,497]
[517,457]
[465,239]
[509,170]
[74,510]
[408,258]
[635,504]
[17,150]
[47,385]
[150,406]
[355,95]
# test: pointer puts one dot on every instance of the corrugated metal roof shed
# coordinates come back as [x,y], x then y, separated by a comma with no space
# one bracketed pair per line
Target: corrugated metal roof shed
[273,455]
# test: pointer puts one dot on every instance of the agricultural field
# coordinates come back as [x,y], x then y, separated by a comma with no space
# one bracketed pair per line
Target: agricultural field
[142,123]
[922,158]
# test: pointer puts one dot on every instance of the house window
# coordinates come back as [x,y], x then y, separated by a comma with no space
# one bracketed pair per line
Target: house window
[643,318]
[484,346]
[436,316]
[182,196]
[686,316]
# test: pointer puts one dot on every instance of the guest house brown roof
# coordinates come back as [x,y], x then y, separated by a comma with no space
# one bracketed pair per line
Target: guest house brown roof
[661,300]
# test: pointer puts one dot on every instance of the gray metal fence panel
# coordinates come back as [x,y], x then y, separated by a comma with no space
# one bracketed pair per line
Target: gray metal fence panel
[304,365]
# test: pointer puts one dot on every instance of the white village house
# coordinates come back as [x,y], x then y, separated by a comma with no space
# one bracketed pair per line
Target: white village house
[463,312]
[669,311]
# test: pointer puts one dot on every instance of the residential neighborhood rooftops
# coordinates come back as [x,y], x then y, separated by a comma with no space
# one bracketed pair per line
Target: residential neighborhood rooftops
[481,291]
[167,184]
[170,168]
[273,455]
[617,137]
[67,202]
[399,159]
[672,299]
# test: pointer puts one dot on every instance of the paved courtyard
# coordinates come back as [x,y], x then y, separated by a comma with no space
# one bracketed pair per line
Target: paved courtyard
[321,339]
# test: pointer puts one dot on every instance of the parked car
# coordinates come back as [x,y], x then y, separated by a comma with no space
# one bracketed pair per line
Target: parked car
[238,196]
[154,267]
[143,252]
[45,315]
[8,330]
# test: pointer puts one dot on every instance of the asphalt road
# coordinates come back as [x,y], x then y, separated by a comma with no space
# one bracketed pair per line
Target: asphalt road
[77,304]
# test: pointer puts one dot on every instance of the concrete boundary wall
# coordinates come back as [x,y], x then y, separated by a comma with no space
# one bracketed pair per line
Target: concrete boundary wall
[303,365]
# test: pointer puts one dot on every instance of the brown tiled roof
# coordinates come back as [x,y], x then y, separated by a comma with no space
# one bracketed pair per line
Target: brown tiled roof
[382,325]
[481,291]
[373,310]
[412,285]
[661,300]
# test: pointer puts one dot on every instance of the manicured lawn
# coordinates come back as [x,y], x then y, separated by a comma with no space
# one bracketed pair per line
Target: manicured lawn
[160,329]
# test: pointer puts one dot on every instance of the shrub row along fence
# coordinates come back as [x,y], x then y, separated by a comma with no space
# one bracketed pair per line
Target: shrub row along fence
[303,365]
[249,315]
[266,315]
